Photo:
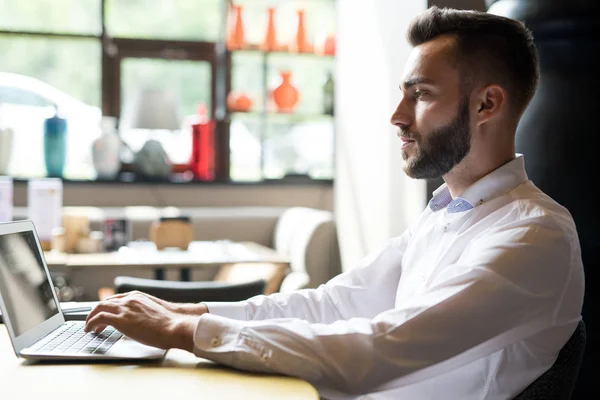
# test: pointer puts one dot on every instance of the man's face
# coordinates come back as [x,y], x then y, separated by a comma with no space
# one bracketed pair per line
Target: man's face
[433,115]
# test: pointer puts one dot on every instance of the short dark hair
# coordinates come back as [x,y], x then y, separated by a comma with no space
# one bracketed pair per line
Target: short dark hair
[490,48]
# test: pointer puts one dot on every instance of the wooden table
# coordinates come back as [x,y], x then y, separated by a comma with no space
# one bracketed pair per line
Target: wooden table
[199,254]
[180,375]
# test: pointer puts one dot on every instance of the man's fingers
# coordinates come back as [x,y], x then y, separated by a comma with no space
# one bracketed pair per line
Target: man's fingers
[121,295]
[133,295]
[103,306]
[103,318]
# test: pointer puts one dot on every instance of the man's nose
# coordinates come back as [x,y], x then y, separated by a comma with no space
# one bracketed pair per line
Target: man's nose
[401,117]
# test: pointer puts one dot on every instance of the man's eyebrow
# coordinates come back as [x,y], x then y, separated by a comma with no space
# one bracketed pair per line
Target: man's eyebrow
[416,81]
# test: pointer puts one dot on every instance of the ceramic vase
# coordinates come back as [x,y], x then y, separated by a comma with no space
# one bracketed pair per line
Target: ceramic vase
[55,145]
[285,95]
[106,150]
[270,42]
[235,39]
[301,43]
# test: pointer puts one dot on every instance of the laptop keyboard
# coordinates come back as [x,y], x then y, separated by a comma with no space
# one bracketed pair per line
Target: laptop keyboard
[73,340]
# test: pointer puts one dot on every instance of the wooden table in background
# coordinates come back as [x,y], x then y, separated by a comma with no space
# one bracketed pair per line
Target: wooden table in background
[180,375]
[199,255]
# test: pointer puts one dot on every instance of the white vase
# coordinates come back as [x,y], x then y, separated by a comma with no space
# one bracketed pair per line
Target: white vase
[6,141]
[106,150]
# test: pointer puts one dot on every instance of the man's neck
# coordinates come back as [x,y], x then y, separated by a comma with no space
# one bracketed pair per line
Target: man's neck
[473,168]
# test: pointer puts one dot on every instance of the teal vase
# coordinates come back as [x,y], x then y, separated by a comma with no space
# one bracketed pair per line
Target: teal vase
[55,145]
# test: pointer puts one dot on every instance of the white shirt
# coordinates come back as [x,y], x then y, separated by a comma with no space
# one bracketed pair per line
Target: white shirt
[470,304]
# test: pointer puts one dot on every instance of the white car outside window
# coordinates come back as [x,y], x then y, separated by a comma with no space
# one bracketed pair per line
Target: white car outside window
[25,103]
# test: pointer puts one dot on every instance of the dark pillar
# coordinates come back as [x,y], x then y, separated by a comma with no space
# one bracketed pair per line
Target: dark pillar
[559,135]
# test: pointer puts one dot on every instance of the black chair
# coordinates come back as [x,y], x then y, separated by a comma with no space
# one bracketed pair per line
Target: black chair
[190,292]
[558,382]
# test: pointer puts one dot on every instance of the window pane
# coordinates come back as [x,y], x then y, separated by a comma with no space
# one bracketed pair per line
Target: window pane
[57,16]
[319,18]
[189,82]
[65,72]
[70,65]
[299,146]
[165,19]
[245,147]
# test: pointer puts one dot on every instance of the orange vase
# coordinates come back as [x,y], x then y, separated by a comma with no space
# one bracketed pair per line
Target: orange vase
[235,38]
[301,45]
[270,42]
[285,95]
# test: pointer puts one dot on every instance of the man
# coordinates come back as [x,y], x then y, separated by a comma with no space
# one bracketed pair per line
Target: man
[473,301]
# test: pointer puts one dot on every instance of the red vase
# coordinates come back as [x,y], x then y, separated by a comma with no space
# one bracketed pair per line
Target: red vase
[235,38]
[203,151]
[270,42]
[285,95]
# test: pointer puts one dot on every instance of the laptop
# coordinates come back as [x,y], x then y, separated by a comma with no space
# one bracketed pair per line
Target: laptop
[33,316]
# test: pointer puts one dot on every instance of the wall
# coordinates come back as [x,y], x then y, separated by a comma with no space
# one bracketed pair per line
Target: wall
[373,200]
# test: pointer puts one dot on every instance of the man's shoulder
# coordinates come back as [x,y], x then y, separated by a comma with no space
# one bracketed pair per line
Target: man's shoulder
[528,205]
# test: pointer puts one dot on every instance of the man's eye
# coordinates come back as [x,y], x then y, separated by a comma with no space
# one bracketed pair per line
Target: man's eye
[419,94]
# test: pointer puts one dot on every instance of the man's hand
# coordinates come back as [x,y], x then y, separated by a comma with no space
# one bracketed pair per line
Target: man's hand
[146,319]
[180,308]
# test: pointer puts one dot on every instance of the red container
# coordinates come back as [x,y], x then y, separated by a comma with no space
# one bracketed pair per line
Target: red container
[203,151]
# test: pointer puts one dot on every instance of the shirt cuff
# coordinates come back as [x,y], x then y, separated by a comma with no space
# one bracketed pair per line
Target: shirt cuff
[232,310]
[216,338]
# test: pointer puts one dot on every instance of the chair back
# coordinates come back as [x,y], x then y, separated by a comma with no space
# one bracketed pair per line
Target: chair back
[558,382]
[309,238]
[191,292]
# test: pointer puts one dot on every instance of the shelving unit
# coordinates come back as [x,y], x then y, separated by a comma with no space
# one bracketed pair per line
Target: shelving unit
[262,116]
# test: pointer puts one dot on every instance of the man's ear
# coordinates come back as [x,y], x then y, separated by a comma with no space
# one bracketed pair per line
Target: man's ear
[491,100]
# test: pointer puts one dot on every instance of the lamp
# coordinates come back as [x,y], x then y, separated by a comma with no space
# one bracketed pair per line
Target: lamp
[151,108]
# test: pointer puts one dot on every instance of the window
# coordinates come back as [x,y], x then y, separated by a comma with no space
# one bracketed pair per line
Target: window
[194,20]
[72,67]
[188,81]
[86,58]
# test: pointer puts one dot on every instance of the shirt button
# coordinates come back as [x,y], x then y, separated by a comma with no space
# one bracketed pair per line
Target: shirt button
[265,356]
[215,342]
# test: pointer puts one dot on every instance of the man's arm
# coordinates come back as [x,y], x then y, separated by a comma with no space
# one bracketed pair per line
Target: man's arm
[364,291]
[513,278]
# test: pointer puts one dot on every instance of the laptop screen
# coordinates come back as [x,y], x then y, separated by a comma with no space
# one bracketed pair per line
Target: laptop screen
[24,285]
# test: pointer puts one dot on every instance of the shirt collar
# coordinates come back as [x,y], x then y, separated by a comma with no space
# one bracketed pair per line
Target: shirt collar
[496,183]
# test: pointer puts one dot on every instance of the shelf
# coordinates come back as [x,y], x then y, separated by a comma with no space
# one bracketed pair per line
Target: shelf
[295,116]
[257,50]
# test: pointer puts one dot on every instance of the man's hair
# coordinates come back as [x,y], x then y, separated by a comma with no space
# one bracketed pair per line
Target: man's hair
[490,49]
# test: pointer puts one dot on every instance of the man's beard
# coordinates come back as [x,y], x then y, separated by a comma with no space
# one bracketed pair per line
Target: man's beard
[442,148]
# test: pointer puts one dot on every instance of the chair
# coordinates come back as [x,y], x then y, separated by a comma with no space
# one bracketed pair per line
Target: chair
[309,239]
[191,292]
[558,382]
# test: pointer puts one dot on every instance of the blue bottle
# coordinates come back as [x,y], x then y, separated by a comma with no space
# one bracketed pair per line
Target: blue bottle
[55,145]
